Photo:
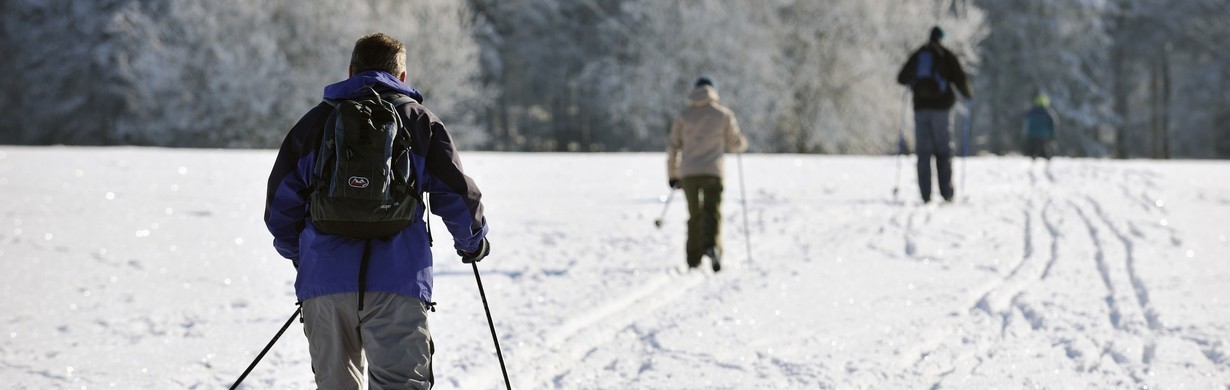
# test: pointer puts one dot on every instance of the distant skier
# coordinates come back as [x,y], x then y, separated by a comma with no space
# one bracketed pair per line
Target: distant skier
[365,300]
[702,133]
[932,72]
[1039,128]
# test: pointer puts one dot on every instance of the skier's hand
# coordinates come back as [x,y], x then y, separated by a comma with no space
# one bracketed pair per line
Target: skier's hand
[963,107]
[675,184]
[473,257]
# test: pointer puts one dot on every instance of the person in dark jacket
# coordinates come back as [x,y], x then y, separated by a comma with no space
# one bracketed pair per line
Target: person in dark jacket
[1040,126]
[933,73]
[386,332]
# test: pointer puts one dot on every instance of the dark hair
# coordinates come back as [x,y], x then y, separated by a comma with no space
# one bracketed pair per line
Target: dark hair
[937,34]
[703,81]
[378,51]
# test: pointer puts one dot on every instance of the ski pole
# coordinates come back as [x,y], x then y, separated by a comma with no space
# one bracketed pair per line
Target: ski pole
[969,117]
[491,324]
[747,232]
[658,222]
[267,347]
[905,94]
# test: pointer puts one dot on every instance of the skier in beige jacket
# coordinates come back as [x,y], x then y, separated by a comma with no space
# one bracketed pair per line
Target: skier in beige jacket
[703,132]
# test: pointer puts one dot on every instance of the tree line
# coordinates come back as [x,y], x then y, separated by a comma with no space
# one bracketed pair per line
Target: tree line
[1129,78]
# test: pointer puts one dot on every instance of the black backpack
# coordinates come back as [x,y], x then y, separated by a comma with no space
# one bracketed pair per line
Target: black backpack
[928,82]
[363,184]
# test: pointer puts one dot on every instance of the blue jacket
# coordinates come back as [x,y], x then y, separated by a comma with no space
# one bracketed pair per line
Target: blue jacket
[400,264]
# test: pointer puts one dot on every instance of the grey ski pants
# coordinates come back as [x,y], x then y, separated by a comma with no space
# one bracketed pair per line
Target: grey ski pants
[389,338]
[932,137]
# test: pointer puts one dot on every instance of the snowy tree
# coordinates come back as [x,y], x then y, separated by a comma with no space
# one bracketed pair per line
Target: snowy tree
[61,87]
[1129,78]
[1113,70]
[842,59]
[212,73]
[801,76]
[669,45]
[1055,47]
[1159,46]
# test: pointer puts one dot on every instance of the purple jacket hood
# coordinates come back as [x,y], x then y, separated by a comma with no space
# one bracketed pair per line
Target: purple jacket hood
[381,81]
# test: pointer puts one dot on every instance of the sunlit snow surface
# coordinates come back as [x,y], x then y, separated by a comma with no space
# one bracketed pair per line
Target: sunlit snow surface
[151,268]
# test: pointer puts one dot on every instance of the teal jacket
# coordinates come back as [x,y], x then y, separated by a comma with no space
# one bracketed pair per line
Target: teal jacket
[1040,122]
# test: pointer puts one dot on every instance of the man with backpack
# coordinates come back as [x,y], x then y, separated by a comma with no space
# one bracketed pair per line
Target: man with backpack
[1039,128]
[345,205]
[703,132]
[932,73]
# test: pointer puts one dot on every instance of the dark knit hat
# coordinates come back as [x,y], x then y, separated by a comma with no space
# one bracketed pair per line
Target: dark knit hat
[937,34]
[703,81]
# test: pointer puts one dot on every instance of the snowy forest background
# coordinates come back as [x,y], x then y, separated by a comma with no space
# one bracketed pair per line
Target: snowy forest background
[1128,78]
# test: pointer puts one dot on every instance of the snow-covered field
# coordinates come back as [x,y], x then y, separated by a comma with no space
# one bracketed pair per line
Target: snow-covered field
[151,268]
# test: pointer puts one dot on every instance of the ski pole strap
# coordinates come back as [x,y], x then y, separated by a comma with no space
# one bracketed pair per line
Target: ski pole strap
[427,212]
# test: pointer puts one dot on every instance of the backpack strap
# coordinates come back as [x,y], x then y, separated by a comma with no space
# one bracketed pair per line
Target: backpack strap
[397,98]
[363,265]
[323,150]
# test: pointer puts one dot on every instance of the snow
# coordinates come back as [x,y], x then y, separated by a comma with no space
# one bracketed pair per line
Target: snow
[151,268]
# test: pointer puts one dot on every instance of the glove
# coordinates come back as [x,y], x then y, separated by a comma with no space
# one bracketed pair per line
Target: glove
[473,257]
[675,184]
[963,106]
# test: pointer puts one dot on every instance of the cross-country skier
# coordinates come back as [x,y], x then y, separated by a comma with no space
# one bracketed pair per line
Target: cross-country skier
[387,330]
[933,72]
[1039,128]
[699,137]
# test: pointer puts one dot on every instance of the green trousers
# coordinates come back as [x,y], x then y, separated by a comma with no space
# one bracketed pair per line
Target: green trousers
[704,195]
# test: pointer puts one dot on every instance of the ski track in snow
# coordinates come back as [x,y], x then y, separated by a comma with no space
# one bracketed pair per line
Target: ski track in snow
[588,330]
[1063,274]
[1132,316]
